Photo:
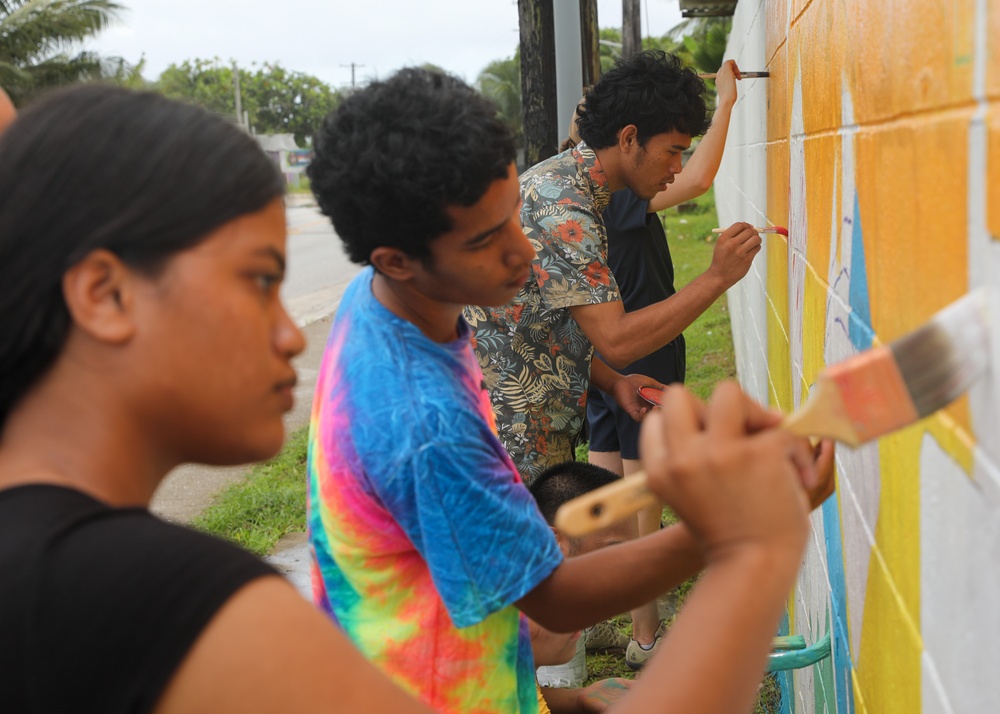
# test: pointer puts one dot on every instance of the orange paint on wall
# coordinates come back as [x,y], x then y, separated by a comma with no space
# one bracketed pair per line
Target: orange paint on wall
[908,57]
[776,22]
[912,193]
[868,59]
[822,158]
[815,43]
[993,168]
[933,54]
[777,184]
[915,242]
[779,100]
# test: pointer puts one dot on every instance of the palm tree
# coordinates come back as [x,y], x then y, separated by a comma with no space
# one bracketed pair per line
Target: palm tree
[37,39]
[704,40]
[501,82]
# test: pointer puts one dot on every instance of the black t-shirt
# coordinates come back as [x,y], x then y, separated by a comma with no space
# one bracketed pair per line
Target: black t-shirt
[98,605]
[639,259]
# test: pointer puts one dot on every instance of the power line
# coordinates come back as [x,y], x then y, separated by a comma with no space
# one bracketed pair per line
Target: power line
[352,65]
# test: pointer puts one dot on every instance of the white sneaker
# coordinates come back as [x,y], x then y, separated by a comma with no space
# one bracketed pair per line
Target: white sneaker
[571,674]
[637,656]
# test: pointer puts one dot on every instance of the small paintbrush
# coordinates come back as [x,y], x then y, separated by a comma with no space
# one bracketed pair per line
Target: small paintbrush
[862,398]
[744,75]
[766,229]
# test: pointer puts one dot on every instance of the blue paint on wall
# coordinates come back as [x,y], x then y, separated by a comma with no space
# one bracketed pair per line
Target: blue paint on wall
[842,664]
[860,329]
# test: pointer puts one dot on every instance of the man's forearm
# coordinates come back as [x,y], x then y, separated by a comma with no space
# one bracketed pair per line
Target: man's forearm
[590,588]
[632,335]
[602,376]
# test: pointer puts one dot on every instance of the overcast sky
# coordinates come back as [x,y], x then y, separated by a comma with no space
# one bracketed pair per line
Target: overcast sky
[323,38]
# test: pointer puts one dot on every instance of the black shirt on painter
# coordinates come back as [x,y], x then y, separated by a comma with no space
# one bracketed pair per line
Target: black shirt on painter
[99,605]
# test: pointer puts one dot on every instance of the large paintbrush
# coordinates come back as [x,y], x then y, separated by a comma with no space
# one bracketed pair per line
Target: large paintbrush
[862,398]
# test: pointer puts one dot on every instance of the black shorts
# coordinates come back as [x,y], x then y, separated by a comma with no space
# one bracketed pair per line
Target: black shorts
[611,429]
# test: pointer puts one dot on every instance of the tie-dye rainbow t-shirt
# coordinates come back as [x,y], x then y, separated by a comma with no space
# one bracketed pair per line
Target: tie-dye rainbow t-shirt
[423,535]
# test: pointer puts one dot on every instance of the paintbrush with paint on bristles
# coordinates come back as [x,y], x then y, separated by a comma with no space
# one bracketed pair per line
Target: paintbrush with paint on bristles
[743,75]
[872,394]
[766,229]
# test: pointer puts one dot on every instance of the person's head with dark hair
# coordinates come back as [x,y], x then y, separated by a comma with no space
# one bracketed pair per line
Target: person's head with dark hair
[640,117]
[391,159]
[120,211]
[562,483]
[653,91]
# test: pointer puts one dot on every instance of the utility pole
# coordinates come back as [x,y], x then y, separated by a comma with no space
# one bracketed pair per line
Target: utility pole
[538,79]
[631,29]
[589,36]
[352,65]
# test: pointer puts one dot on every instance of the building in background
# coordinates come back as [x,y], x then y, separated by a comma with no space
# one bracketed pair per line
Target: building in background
[876,141]
[286,155]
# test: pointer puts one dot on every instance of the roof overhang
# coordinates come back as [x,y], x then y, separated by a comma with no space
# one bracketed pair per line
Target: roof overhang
[707,8]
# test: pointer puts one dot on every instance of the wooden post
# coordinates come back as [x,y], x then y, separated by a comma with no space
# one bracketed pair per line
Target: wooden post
[538,80]
[631,29]
[589,36]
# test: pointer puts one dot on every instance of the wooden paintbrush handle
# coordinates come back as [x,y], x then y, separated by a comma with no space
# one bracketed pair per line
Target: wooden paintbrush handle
[604,506]
[745,75]
[822,415]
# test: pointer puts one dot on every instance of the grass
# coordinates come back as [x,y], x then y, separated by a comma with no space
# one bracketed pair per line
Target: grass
[270,502]
[710,359]
[303,186]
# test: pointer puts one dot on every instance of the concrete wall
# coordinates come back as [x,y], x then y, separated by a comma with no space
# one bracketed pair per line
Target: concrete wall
[876,141]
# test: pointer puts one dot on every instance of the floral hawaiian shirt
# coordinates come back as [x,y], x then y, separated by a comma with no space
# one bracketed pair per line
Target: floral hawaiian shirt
[533,354]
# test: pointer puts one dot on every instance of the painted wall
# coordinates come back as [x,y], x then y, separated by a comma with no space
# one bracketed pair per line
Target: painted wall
[876,141]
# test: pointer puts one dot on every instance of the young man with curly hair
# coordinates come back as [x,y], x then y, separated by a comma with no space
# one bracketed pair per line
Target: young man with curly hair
[425,542]
[427,548]
[536,351]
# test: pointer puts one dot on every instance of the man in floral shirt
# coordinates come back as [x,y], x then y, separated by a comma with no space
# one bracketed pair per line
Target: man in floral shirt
[536,352]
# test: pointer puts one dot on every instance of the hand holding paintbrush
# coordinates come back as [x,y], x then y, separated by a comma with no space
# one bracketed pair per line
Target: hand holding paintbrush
[743,75]
[865,397]
[765,229]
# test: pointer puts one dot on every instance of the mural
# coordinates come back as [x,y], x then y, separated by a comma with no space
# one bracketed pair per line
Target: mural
[876,141]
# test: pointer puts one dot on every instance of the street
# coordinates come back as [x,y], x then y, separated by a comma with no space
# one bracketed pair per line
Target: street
[318,270]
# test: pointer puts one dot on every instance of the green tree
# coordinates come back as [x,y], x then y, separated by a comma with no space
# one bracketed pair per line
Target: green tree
[501,82]
[704,41]
[124,74]
[38,43]
[278,101]
[609,47]
[207,83]
[288,102]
